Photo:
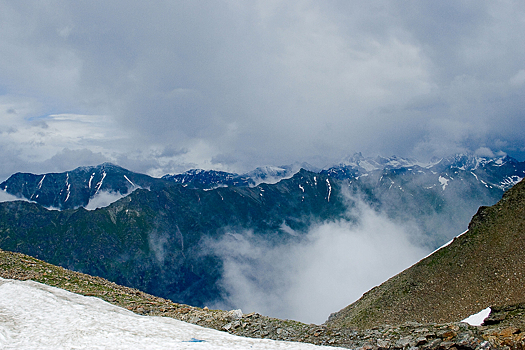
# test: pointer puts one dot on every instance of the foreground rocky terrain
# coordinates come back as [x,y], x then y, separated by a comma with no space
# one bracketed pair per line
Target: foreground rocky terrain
[503,329]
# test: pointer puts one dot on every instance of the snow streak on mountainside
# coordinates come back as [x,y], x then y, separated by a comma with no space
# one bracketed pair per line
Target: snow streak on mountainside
[36,316]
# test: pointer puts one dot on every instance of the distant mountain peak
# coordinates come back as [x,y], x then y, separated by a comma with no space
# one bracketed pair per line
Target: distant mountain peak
[76,188]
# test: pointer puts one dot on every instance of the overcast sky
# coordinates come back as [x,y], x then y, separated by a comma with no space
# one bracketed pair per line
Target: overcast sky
[163,86]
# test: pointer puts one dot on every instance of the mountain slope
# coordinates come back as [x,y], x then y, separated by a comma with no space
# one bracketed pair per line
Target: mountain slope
[480,268]
[155,240]
[438,197]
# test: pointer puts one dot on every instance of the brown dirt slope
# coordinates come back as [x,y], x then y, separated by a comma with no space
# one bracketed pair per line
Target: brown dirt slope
[483,267]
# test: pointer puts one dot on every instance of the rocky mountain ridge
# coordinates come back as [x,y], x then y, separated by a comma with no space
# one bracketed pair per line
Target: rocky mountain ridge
[73,189]
[356,166]
[445,191]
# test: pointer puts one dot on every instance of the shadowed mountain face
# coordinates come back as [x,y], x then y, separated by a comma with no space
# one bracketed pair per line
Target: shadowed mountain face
[155,238]
[438,198]
[76,188]
[482,267]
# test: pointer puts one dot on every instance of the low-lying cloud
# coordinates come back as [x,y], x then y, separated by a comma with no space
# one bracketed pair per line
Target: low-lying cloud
[330,268]
[103,199]
[6,197]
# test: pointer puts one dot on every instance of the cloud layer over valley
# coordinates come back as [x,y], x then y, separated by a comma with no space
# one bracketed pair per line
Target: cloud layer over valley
[330,268]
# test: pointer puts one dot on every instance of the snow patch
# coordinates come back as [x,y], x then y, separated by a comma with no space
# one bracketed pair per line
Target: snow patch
[37,316]
[99,184]
[132,184]
[510,181]
[41,181]
[91,179]
[68,192]
[68,187]
[477,319]
[443,181]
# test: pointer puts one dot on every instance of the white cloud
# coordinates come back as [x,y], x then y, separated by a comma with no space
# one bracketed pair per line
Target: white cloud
[103,199]
[332,267]
[6,197]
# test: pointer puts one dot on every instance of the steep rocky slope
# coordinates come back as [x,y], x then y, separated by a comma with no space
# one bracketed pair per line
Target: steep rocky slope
[483,267]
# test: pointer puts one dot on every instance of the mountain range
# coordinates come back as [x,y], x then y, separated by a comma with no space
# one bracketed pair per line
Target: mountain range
[155,236]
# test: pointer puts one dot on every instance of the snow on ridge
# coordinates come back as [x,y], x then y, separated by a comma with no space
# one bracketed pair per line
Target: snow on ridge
[444,245]
[443,181]
[39,316]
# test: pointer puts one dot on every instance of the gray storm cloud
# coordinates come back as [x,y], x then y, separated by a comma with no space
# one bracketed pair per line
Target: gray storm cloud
[235,85]
[332,267]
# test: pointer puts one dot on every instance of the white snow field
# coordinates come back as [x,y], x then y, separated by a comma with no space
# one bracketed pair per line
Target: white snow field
[36,316]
